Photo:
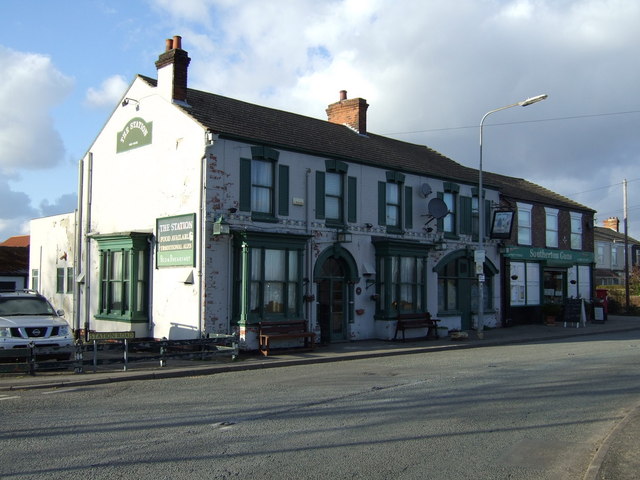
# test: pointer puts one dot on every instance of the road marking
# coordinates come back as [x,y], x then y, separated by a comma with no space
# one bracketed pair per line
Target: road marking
[61,390]
[6,397]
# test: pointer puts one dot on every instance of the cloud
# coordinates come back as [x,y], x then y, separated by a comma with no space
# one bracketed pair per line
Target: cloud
[64,204]
[108,94]
[31,87]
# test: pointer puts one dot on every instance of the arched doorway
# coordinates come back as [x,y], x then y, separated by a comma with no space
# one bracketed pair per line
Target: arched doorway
[458,286]
[335,276]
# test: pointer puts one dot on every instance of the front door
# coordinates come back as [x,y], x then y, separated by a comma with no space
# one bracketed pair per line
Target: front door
[332,301]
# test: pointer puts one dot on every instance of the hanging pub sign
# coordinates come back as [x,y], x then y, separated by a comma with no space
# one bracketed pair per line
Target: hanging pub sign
[176,241]
[136,133]
[502,224]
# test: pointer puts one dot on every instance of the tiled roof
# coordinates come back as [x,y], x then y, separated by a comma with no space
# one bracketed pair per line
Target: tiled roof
[604,233]
[17,241]
[252,123]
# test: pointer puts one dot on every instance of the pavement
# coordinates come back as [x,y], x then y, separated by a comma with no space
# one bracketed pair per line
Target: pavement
[618,458]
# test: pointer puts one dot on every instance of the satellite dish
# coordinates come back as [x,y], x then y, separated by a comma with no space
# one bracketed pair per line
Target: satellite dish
[425,190]
[437,208]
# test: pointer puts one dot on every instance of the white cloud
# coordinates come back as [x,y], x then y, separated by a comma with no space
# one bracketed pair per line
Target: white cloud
[31,87]
[108,94]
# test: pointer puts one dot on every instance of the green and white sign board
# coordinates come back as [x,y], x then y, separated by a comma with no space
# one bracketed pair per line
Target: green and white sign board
[176,241]
[136,133]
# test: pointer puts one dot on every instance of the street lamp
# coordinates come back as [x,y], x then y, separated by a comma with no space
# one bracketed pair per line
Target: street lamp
[480,253]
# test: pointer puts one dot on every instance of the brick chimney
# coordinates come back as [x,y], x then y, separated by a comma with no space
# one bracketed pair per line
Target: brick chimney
[613,223]
[352,113]
[172,68]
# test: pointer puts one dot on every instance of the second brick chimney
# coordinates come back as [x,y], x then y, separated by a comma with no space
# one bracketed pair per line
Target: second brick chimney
[613,223]
[352,113]
[172,68]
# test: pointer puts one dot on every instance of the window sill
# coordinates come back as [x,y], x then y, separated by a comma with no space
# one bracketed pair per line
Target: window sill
[262,217]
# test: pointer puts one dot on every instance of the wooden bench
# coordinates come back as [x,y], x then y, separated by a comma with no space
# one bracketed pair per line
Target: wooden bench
[408,321]
[282,330]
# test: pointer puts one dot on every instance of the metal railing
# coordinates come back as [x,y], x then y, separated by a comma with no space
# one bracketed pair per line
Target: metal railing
[121,354]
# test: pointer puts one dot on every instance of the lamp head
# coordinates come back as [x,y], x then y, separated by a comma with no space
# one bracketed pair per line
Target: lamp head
[536,99]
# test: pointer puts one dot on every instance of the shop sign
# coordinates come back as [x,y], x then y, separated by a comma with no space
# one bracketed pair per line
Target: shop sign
[136,133]
[548,255]
[176,246]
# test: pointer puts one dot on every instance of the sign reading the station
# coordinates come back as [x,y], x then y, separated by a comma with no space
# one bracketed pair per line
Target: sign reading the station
[136,133]
[176,241]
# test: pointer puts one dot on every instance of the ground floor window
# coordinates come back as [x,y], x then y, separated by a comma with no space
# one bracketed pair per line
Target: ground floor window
[401,278]
[124,261]
[524,283]
[268,271]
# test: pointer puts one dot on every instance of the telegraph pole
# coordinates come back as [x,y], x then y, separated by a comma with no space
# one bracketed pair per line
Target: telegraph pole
[626,247]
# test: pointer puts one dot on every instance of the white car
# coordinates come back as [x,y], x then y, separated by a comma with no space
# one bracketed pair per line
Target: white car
[28,319]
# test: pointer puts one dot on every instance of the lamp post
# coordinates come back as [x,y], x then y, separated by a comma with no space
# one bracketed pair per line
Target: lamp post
[480,253]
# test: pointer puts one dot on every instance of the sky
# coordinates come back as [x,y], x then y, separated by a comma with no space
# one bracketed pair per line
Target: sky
[429,69]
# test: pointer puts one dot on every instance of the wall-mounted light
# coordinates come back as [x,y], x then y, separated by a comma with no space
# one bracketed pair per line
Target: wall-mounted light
[344,237]
[210,137]
[572,282]
[127,100]
[514,277]
[221,226]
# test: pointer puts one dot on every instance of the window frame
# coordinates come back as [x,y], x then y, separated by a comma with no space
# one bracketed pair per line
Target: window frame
[551,227]
[576,230]
[525,208]
[128,254]
[277,185]
[60,276]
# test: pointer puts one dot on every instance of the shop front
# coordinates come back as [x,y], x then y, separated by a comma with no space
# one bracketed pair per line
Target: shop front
[541,279]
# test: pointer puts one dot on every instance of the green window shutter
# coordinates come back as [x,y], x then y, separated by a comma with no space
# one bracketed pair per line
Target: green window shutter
[245,185]
[283,190]
[408,207]
[319,195]
[440,222]
[465,215]
[382,203]
[352,199]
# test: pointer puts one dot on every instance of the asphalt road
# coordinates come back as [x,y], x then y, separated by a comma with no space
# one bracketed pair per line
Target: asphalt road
[530,411]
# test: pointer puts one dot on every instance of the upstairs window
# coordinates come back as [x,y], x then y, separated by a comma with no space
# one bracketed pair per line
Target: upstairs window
[395,209]
[551,222]
[262,192]
[524,223]
[449,224]
[576,231]
[336,194]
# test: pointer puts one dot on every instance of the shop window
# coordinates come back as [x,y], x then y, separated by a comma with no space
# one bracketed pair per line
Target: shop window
[458,286]
[59,280]
[258,185]
[524,224]
[525,283]
[124,262]
[554,285]
[576,231]
[35,279]
[336,194]
[551,223]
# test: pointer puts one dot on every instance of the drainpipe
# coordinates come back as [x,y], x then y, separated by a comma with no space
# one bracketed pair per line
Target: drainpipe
[309,287]
[87,266]
[210,140]
[78,248]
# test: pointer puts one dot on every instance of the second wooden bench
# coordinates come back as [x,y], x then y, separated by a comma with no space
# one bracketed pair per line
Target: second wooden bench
[409,321]
[283,330]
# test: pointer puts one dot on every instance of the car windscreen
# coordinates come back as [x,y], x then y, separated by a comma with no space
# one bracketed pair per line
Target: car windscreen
[25,306]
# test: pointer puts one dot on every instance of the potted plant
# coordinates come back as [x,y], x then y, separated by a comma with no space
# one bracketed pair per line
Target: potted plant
[551,311]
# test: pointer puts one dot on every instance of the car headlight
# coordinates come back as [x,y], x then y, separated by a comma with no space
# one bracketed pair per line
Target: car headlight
[63,331]
[5,332]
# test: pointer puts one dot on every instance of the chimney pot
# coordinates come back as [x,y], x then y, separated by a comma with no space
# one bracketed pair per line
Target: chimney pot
[169,44]
[343,95]
[177,42]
